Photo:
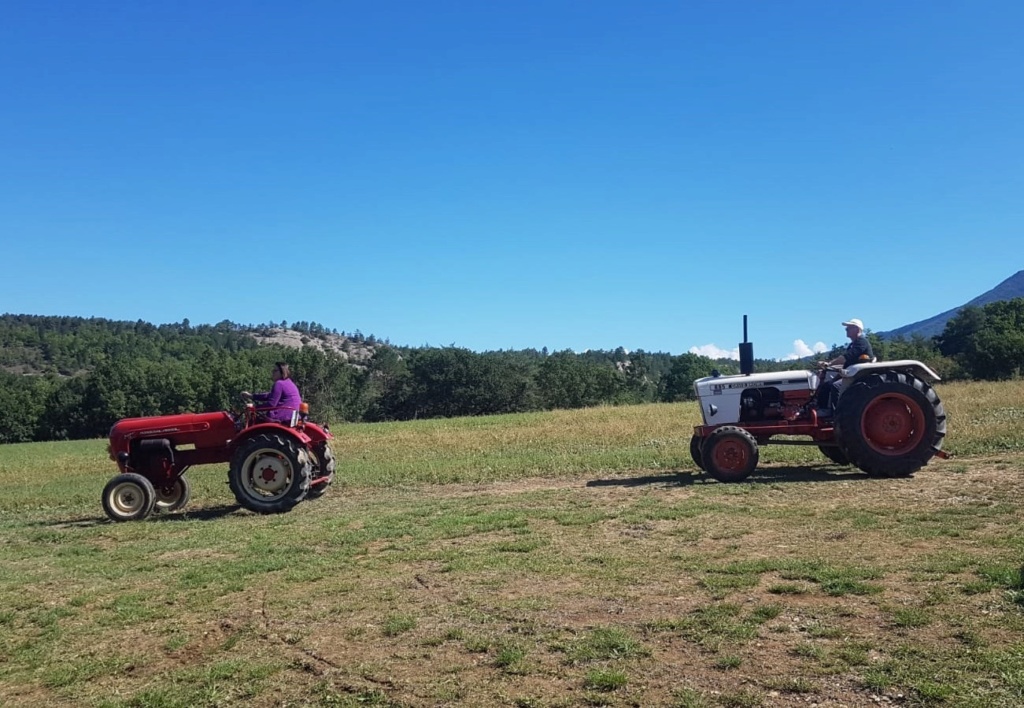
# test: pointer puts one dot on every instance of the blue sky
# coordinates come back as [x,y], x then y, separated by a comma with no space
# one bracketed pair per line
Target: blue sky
[507,174]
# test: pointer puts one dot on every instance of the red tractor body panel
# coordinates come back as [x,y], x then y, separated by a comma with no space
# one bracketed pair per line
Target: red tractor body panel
[205,433]
[810,425]
[200,438]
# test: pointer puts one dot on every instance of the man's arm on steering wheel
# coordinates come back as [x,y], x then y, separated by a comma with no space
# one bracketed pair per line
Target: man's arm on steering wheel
[838,361]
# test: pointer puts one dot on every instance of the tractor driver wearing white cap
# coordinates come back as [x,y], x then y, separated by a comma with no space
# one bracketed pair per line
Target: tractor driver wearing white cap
[859,350]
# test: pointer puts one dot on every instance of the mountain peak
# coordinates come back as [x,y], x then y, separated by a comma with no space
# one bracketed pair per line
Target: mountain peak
[1009,289]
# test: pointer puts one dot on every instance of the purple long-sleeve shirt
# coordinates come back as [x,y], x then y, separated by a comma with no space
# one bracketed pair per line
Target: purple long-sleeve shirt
[284,398]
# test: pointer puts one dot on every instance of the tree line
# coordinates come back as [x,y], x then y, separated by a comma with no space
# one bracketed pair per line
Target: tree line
[68,378]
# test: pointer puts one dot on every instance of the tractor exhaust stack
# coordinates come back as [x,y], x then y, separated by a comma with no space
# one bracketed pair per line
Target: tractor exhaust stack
[746,352]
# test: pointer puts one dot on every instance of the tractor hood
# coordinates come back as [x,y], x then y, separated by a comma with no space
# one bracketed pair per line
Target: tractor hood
[786,380]
[720,396]
[201,430]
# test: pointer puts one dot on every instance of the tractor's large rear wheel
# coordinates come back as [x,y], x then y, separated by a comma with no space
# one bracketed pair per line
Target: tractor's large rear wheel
[890,425]
[730,454]
[128,497]
[835,454]
[269,473]
[323,470]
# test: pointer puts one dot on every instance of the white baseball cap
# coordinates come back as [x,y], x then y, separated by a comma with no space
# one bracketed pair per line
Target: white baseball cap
[855,322]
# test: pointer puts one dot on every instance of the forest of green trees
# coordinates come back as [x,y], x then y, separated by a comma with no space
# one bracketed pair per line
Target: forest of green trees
[72,377]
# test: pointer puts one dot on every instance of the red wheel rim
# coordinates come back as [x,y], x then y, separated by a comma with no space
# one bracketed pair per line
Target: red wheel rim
[892,424]
[731,455]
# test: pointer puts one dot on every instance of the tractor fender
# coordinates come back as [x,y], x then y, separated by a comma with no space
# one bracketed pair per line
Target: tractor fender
[905,366]
[300,437]
[317,433]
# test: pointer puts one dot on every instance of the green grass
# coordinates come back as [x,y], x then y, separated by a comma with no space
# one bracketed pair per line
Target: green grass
[604,643]
[605,679]
[397,624]
[563,558]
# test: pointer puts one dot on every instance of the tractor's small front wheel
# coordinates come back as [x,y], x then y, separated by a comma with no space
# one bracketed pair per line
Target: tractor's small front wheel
[730,454]
[695,445]
[128,497]
[174,496]
[323,470]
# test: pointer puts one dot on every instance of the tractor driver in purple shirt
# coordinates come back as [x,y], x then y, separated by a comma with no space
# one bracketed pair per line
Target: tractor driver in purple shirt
[283,399]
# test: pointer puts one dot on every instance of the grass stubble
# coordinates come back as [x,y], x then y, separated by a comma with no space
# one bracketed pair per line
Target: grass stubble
[555,559]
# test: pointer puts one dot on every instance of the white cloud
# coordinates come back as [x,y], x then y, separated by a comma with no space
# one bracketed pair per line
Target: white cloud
[801,349]
[713,352]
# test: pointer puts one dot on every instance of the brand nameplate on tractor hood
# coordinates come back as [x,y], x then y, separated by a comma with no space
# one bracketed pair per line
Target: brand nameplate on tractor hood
[768,378]
[757,384]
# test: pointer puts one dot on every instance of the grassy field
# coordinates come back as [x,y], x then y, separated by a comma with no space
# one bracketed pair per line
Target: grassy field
[558,559]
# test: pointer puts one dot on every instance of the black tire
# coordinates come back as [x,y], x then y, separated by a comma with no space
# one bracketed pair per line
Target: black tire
[269,473]
[128,497]
[890,425]
[695,444]
[835,454]
[173,497]
[323,458]
[730,454]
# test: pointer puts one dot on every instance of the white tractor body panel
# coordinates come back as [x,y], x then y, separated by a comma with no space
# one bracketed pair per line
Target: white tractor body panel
[908,366]
[719,396]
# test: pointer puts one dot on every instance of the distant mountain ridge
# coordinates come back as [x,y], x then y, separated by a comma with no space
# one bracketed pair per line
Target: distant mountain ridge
[1009,289]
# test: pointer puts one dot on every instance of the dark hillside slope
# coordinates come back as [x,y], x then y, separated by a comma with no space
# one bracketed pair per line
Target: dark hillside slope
[1009,289]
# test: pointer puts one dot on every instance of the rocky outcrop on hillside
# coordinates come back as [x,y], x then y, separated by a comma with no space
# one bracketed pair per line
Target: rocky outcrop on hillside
[355,352]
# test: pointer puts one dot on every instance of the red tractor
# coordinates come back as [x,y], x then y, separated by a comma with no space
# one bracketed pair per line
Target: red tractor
[272,466]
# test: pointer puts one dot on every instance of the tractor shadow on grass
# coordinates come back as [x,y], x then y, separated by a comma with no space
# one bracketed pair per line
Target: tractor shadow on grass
[209,513]
[765,475]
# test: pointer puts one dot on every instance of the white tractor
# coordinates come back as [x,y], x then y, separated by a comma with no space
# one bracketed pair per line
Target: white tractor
[888,420]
